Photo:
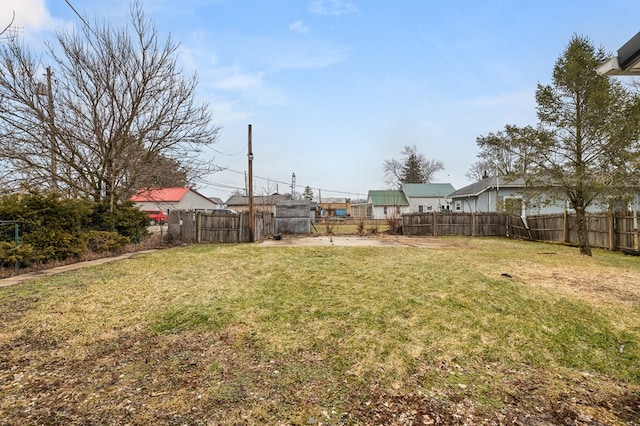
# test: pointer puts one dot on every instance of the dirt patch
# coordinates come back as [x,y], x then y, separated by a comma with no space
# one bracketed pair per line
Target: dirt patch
[598,284]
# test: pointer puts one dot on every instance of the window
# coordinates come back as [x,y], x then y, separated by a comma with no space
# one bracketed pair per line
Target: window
[385,210]
[420,209]
[429,208]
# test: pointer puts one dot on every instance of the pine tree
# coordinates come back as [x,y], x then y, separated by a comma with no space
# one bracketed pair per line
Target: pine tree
[414,168]
[307,194]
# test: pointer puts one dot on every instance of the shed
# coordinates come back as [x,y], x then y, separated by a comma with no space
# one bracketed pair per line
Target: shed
[293,217]
[387,204]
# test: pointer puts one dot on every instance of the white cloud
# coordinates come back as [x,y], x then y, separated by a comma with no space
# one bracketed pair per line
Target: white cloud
[332,7]
[30,15]
[236,80]
[299,27]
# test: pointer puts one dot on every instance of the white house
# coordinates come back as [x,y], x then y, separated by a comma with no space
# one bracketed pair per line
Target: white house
[166,199]
[427,197]
[387,204]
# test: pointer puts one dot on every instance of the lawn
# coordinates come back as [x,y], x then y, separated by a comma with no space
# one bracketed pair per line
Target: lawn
[468,331]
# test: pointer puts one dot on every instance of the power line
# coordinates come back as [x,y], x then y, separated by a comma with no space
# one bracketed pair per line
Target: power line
[86,24]
[275,181]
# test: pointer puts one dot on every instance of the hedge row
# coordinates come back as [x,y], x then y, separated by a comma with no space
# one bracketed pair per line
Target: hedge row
[52,228]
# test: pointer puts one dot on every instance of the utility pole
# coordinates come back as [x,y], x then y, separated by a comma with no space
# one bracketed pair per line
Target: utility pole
[52,135]
[293,186]
[251,217]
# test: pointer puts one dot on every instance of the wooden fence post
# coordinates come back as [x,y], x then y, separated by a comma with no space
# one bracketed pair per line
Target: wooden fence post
[198,227]
[473,224]
[435,222]
[611,226]
[635,228]
[507,223]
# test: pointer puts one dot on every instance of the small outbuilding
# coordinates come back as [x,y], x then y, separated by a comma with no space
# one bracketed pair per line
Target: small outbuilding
[386,204]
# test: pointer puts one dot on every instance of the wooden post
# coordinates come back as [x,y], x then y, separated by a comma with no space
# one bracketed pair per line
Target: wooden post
[52,134]
[473,223]
[635,226]
[507,222]
[611,226]
[250,157]
[198,227]
[435,222]
[565,227]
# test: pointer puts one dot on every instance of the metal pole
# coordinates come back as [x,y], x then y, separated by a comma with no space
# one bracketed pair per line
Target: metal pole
[251,219]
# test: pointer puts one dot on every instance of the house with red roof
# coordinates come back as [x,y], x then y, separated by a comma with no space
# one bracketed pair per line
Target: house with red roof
[157,202]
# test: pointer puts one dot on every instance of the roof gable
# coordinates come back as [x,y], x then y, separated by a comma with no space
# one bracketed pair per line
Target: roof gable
[160,194]
[485,184]
[387,198]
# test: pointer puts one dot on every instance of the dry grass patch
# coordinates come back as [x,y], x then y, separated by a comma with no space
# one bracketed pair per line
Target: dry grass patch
[242,334]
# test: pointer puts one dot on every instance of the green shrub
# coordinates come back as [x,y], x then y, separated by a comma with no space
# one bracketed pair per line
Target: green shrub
[10,254]
[56,228]
[126,219]
[104,241]
[54,244]
[35,210]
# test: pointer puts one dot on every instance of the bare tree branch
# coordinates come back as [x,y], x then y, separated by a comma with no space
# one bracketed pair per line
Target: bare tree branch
[123,112]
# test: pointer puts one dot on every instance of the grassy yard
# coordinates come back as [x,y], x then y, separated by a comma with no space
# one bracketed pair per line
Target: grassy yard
[475,331]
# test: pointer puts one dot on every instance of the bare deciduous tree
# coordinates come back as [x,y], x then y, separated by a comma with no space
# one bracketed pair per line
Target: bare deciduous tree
[123,111]
[504,153]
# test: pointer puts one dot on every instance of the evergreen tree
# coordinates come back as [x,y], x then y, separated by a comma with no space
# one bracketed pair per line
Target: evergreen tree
[308,193]
[413,168]
[585,148]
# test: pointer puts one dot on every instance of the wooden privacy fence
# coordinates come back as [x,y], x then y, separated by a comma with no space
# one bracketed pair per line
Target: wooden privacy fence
[469,224]
[201,227]
[613,231]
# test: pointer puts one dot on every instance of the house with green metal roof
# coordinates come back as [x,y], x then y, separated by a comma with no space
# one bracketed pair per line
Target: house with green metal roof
[427,197]
[387,203]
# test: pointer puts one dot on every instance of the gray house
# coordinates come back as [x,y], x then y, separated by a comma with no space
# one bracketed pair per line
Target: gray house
[497,194]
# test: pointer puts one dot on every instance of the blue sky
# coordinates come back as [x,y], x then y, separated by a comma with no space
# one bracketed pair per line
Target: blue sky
[334,87]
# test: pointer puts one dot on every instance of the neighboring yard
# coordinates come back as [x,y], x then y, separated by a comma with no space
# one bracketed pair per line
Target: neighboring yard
[447,331]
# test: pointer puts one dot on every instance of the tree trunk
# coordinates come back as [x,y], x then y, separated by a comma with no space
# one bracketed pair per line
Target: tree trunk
[583,235]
